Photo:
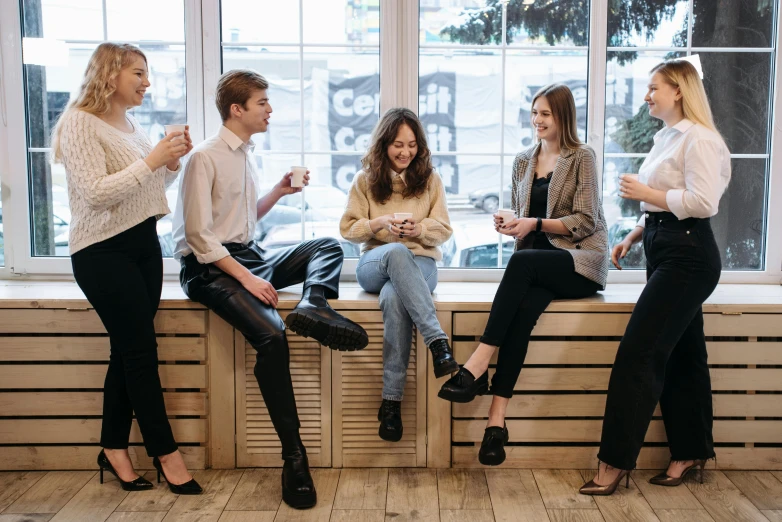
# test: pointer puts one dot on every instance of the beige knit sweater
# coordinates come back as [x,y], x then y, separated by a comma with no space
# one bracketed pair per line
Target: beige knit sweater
[110,187]
[429,209]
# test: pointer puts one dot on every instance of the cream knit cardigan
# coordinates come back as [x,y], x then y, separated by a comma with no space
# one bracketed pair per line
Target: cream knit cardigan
[110,187]
[430,209]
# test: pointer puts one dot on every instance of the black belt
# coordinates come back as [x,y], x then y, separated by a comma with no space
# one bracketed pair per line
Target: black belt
[235,247]
[669,220]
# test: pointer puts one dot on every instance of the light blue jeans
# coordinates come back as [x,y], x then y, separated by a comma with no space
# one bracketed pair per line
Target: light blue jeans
[405,283]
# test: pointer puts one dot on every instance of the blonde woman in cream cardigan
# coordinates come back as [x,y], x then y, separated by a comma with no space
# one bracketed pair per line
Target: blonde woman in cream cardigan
[399,255]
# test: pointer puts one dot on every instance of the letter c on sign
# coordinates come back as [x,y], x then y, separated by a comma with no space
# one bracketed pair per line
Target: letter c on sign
[343,102]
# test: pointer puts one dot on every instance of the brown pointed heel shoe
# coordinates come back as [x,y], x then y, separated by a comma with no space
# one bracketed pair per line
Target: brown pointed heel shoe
[592,488]
[663,479]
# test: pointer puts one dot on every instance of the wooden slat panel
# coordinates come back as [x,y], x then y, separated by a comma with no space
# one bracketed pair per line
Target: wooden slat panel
[604,352]
[86,431]
[593,405]
[93,348]
[83,457]
[745,325]
[589,431]
[38,404]
[559,324]
[87,321]
[84,376]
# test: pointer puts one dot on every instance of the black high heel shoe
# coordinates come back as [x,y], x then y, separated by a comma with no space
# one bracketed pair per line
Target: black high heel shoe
[140,484]
[663,479]
[191,487]
[463,387]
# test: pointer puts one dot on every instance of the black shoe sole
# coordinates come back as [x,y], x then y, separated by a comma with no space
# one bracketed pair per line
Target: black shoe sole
[336,337]
[446,369]
[463,398]
[389,436]
[493,461]
[299,501]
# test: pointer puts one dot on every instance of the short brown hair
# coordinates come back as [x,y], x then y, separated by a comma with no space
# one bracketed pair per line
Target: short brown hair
[237,86]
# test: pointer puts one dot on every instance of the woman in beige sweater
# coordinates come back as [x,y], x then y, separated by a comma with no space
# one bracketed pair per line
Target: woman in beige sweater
[397,209]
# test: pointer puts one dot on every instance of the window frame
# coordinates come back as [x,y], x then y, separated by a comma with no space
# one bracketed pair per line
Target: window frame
[399,55]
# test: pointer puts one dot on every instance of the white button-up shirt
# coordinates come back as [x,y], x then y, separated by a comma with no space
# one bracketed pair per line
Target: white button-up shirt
[692,164]
[217,200]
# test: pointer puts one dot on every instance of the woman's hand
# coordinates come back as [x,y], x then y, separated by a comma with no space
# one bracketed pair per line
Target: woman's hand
[410,229]
[174,165]
[631,188]
[168,151]
[388,222]
[518,228]
[619,251]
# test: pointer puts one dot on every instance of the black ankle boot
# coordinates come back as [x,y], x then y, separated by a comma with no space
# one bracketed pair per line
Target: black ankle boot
[313,317]
[390,417]
[492,451]
[463,387]
[442,358]
[298,490]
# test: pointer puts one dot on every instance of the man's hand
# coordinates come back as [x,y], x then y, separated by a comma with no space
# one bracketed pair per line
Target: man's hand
[262,289]
[284,186]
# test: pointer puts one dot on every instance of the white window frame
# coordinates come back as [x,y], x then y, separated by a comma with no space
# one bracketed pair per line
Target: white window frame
[399,87]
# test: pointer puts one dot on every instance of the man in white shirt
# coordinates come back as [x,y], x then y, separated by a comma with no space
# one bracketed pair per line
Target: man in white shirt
[223,268]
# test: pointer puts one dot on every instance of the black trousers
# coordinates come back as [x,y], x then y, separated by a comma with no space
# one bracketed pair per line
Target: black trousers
[533,278]
[122,278]
[662,357]
[316,262]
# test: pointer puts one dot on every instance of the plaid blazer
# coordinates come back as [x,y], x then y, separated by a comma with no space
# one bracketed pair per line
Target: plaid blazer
[574,199]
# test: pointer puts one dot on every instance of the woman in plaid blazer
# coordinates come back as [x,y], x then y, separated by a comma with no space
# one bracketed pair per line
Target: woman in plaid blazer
[561,253]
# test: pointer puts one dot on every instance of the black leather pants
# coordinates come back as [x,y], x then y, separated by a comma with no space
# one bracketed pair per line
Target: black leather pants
[316,262]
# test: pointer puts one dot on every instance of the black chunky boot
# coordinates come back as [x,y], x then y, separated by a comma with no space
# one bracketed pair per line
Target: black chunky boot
[298,490]
[390,417]
[442,358]
[313,317]
[492,451]
[463,387]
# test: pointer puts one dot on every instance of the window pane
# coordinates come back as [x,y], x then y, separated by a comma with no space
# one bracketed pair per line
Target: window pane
[64,20]
[473,101]
[342,21]
[474,22]
[131,21]
[266,21]
[473,197]
[639,23]
[526,73]
[738,86]
[542,22]
[747,23]
[49,88]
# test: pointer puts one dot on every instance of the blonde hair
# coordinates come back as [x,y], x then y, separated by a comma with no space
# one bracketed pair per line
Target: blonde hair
[684,76]
[97,87]
[563,109]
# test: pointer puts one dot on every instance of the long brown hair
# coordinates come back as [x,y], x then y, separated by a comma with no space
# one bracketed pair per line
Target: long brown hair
[105,64]
[563,109]
[377,165]
[695,104]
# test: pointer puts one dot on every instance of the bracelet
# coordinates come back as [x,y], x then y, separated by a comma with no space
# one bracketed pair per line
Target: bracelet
[539,225]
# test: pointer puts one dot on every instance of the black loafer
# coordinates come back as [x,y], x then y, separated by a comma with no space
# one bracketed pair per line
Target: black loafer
[492,451]
[327,327]
[463,387]
[442,358]
[390,417]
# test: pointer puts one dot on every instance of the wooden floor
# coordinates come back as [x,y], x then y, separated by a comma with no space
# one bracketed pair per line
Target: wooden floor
[397,495]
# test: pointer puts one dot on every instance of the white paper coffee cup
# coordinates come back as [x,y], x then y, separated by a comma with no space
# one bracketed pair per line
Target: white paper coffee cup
[506,215]
[297,180]
[628,176]
[403,215]
[176,128]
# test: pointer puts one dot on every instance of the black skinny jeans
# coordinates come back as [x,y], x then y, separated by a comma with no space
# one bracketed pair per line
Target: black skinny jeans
[122,278]
[533,278]
[662,357]
[316,262]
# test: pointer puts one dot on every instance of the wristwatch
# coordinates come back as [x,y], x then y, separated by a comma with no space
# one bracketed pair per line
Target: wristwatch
[539,225]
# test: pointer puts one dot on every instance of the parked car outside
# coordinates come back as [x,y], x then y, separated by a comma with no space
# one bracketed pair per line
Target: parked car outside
[289,235]
[476,246]
[328,201]
[488,200]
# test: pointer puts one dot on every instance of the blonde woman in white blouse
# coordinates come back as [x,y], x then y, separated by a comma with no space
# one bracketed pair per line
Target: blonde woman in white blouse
[662,357]
[116,191]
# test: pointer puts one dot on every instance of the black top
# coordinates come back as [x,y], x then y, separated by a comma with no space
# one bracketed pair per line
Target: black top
[537,209]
